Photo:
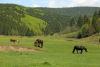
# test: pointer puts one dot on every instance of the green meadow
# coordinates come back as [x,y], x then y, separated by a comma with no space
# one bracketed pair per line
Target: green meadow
[57,52]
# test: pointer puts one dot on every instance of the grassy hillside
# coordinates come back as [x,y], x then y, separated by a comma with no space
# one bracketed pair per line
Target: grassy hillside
[36,25]
[36,21]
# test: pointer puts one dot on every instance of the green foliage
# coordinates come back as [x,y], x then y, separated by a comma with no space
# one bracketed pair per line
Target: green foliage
[9,20]
[72,22]
[96,21]
[84,32]
[98,25]
[80,21]
[90,27]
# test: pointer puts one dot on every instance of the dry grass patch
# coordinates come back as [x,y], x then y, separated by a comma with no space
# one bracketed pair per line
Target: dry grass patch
[17,48]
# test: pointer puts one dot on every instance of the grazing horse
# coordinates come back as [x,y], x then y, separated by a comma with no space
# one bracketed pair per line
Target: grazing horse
[14,41]
[38,43]
[79,48]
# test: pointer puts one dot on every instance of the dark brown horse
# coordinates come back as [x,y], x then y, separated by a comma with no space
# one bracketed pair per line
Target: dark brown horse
[79,48]
[14,41]
[38,43]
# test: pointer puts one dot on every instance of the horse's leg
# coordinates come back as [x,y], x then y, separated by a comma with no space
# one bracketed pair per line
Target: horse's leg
[35,45]
[38,44]
[41,45]
[73,50]
[81,52]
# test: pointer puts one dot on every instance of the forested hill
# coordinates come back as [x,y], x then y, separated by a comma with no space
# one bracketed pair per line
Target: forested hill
[72,11]
[20,20]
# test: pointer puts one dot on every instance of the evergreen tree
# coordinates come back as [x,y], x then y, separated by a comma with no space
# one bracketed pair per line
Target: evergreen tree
[80,21]
[72,22]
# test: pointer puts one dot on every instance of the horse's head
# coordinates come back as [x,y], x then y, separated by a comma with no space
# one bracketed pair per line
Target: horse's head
[36,42]
[85,49]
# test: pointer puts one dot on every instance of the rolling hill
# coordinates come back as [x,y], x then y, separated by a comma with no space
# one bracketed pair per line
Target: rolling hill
[15,21]
[20,20]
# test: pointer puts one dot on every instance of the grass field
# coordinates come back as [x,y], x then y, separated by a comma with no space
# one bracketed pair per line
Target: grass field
[57,52]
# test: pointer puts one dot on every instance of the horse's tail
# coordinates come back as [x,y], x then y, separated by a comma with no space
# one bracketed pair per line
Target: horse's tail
[41,42]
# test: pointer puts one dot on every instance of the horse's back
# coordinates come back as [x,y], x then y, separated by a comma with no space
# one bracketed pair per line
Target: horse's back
[39,40]
[14,40]
[79,47]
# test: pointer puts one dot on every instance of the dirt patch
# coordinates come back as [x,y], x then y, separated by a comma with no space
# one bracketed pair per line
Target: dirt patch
[17,48]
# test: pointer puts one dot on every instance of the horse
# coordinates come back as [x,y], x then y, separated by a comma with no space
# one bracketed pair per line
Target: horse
[14,41]
[38,43]
[79,48]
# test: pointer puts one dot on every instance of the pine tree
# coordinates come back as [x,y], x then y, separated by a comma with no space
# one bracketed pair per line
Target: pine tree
[80,21]
[95,21]
[72,22]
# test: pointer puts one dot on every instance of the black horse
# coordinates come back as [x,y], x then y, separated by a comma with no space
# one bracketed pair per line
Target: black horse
[79,48]
[38,43]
